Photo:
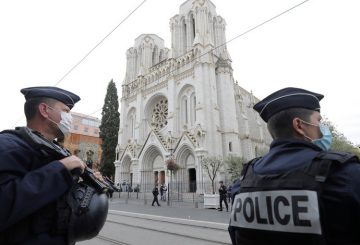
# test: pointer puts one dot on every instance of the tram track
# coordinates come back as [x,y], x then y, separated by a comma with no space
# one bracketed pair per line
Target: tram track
[130,228]
[112,241]
[195,232]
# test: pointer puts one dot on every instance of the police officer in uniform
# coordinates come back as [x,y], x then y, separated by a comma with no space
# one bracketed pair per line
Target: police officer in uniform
[223,193]
[155,193]
[29,184]
[300,192]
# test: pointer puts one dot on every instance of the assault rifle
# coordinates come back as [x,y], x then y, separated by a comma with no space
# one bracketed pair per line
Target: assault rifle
[82,211]
[48,148]
[111,184]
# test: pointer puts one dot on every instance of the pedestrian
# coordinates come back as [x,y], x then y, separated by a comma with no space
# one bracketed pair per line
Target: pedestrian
[164,192]
[33,183]
[155,193]
[161,192]
[137,188]
[223,196]
[300,192]
[229,192]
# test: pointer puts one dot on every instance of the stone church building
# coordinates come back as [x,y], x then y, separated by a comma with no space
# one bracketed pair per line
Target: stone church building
[184,103]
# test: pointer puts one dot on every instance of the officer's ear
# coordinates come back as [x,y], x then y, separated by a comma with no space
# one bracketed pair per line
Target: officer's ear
[43,110]
[298,127]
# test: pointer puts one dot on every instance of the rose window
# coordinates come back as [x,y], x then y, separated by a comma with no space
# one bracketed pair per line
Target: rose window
[159,114]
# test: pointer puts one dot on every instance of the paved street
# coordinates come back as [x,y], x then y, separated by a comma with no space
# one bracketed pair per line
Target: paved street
[184,210]
[132,222]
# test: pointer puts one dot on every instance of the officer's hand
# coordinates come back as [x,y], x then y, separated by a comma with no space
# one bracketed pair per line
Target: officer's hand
[73,162]
[98,175]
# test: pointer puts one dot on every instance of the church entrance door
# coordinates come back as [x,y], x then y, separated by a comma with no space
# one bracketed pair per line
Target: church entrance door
[192,180]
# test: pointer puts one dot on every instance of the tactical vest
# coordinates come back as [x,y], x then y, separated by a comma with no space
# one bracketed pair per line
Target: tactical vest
[284,208]
[78,215]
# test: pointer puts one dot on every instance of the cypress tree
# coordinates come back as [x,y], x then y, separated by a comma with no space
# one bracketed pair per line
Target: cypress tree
[109,129]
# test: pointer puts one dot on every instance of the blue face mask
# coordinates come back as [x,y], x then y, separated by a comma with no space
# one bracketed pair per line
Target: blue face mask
[325,141]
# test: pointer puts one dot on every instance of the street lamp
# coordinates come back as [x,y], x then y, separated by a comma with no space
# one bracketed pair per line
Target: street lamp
[170,165]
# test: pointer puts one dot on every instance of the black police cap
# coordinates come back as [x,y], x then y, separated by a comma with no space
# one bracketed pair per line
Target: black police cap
[288,98]
[56,93]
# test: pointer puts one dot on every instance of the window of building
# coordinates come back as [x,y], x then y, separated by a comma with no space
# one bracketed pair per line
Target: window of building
[186,111]
[192,109]
[76,127]
[90,122]
[230,146]
[132,126]
[86,129]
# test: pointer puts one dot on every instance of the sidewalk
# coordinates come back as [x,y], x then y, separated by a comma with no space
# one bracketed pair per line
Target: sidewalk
[185,210]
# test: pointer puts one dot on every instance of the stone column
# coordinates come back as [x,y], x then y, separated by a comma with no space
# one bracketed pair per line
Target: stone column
[200,153]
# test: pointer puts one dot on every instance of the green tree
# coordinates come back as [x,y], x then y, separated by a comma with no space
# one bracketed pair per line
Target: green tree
[234,166]
[212,166]
[340,142]
[109,129]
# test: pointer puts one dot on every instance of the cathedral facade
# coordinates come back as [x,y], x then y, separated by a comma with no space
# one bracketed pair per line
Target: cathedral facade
[183,103]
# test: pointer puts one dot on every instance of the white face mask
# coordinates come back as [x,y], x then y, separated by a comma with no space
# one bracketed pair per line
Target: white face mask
[65,122]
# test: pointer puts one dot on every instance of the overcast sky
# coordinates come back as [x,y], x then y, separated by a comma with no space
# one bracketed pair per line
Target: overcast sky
[316,46]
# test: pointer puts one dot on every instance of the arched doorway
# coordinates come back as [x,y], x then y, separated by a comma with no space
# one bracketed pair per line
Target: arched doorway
[152,166]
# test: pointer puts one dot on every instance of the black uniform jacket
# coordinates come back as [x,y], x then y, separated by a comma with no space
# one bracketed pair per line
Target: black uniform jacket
[341,193]
[29,185]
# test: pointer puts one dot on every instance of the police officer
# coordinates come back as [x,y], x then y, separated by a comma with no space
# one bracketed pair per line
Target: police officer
[223,193]
[300,192]
[155,193]
[29,184]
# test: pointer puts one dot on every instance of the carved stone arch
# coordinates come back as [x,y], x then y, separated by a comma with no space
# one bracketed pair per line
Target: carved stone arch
[186,89]
[185,158]
[182,155]
[125,169]
[191,14]
[151,158]
[126,162]
[150,154]
[182,19]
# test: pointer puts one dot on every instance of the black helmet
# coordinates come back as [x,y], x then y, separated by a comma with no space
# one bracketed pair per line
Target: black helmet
[89,210]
